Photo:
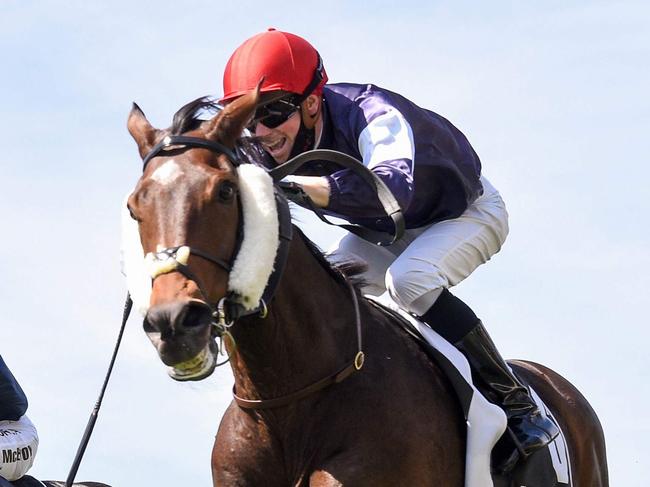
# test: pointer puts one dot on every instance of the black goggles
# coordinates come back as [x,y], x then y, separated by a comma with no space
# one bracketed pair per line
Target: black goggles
[277,112]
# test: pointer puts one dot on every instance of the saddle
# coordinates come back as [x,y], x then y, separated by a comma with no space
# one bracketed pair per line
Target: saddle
[487,438]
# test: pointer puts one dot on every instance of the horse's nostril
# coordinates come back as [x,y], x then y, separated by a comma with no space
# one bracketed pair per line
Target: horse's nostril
[160,319]
[147,326]
[176,318]
[157,319]
[194,315]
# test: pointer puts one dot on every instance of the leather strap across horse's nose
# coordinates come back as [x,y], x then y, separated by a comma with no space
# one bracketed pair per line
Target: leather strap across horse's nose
[175,259]
[166,260]
[171,259]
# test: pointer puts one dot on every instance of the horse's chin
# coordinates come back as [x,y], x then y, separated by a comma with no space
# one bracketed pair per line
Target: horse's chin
[197,368]
[184,359]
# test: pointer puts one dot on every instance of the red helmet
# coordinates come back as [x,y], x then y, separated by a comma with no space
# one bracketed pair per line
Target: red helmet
[285,61]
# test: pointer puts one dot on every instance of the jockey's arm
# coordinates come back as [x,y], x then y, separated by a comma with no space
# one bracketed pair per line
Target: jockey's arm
[13,402]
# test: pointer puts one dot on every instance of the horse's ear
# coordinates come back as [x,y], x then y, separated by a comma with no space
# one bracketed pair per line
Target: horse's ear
[228,126]
[141,130]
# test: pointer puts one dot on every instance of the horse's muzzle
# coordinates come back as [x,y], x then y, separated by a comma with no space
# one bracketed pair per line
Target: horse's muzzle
[181,332]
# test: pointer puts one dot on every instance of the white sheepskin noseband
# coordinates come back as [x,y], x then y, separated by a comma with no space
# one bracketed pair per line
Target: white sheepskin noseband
[254,262]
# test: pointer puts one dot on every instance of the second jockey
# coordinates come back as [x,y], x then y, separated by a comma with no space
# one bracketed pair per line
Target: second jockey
[18,437]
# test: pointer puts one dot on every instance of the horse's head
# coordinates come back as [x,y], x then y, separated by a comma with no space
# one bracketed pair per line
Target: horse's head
[188,208]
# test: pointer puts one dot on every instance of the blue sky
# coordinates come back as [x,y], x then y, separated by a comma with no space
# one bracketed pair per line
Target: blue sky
[553,96]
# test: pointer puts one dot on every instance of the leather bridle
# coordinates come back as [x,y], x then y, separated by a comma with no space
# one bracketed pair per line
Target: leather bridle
[224,317]
[228,309]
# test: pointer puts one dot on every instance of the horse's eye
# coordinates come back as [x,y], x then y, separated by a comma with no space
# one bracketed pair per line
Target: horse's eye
[226,192]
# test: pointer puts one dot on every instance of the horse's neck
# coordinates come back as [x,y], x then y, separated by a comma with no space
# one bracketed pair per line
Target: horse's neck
[309,332]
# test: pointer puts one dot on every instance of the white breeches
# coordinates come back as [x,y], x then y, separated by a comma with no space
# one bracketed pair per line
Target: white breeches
[428,259]
[18,445]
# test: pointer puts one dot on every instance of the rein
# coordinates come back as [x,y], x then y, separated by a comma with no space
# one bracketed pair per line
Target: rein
[388,202]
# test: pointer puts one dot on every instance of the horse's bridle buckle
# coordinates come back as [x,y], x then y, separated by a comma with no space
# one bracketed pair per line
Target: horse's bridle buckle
[221,322]
[359,360]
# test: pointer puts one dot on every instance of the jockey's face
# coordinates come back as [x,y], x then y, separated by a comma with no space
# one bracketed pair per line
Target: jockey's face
[278,141]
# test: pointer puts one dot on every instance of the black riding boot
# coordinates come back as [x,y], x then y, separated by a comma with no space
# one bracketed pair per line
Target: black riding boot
[529,428]
[458,324]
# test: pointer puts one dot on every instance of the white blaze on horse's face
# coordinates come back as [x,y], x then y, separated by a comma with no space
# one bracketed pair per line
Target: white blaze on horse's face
[167,173]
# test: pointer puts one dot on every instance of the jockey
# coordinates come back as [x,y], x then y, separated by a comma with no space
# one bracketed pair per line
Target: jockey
[455,219]
[18,437]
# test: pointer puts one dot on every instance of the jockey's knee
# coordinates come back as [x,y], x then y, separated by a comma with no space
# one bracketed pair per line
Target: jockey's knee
[414,290]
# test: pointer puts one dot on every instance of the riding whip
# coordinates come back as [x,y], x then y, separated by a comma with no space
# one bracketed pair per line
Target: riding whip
[95,412]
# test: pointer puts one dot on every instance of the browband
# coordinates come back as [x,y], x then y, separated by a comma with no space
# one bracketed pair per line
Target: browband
[174,140]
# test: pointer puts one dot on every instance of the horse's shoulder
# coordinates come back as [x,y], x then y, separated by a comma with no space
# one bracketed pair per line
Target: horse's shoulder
[243,431]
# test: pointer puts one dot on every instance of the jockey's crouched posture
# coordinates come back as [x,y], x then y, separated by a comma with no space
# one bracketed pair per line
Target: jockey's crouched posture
[455,219]
[18,437]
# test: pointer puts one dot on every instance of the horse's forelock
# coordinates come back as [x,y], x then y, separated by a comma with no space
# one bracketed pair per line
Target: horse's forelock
[191,116]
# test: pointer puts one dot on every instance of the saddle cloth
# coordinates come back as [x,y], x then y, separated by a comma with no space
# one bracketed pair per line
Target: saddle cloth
[486,422]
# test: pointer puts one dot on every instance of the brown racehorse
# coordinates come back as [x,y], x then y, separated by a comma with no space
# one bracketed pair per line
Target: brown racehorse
[394,422]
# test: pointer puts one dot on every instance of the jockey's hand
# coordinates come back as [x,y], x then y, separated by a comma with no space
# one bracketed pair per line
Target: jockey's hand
[294,192]
[315,187]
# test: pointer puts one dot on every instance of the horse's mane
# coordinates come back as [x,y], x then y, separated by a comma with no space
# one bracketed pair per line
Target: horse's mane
[340,270]
[190,117]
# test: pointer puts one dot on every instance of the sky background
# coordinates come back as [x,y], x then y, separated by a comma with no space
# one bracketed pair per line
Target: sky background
[553,96]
